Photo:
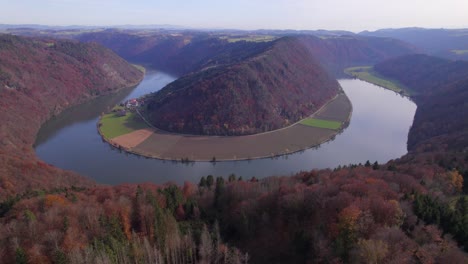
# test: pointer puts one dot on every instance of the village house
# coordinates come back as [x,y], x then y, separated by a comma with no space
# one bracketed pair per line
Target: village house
[132,103]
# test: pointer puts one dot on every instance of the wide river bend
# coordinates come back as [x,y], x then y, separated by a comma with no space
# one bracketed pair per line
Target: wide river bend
[378,131]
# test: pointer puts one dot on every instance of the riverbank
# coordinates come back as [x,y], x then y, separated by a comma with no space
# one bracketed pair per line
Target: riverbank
[367,74]
[154,143]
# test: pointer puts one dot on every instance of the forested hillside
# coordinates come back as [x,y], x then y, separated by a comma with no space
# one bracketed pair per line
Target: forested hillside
[423,73]
[38,79]
[270,90]
[250,87]
[340,52]
[440,120]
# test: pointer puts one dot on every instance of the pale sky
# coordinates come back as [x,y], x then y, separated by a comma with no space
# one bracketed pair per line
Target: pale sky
[353,15]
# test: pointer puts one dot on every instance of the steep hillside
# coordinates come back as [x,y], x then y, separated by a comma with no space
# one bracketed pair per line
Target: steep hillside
[422,73]
[338,53]
[38,79]
[270,90]
[440,120]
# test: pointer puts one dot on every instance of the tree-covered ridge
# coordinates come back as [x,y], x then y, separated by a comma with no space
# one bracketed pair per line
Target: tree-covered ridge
[440,121]
[38,79]
[267,91]
[422,73]
[341,52]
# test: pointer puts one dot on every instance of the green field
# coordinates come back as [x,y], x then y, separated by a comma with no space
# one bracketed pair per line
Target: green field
[460,52]
[320,123]
[367,74]
[140,68]
[113,126]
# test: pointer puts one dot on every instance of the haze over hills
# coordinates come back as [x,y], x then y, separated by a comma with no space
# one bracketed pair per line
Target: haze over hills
[447,43]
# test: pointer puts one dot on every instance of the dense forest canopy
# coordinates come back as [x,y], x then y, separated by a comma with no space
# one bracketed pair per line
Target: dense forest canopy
[270,90]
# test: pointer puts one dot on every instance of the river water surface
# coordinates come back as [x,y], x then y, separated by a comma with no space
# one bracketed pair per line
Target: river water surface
[378,131]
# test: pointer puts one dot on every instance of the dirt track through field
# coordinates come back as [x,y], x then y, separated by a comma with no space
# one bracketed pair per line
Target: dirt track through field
[163,145]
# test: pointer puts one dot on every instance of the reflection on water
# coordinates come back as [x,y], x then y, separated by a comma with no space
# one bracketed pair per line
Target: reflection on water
[378,132]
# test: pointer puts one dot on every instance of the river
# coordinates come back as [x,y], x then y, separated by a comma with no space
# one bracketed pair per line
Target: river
[378,131]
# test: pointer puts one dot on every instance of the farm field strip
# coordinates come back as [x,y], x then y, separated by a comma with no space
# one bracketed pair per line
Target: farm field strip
[112,125]
[320,123]
[366,73]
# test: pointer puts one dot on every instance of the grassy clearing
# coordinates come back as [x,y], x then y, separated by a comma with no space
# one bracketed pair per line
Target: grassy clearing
[368,74]
[460,52]
[140,68]
[113,126]
[320,123]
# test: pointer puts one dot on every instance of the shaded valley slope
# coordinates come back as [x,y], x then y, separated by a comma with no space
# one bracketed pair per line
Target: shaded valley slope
[441,118]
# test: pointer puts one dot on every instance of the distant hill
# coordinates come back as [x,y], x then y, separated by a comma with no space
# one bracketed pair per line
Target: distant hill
[275,87]
[337,53]
[38,79]
[423,73]
[176,53]
[447,43]
[191,51]
[441,118]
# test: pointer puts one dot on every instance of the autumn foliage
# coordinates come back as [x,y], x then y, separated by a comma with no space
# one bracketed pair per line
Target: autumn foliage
[38,79]
[273,88]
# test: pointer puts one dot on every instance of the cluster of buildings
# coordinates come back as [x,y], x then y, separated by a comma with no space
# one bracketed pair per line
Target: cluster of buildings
[132,104]
[129,105]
